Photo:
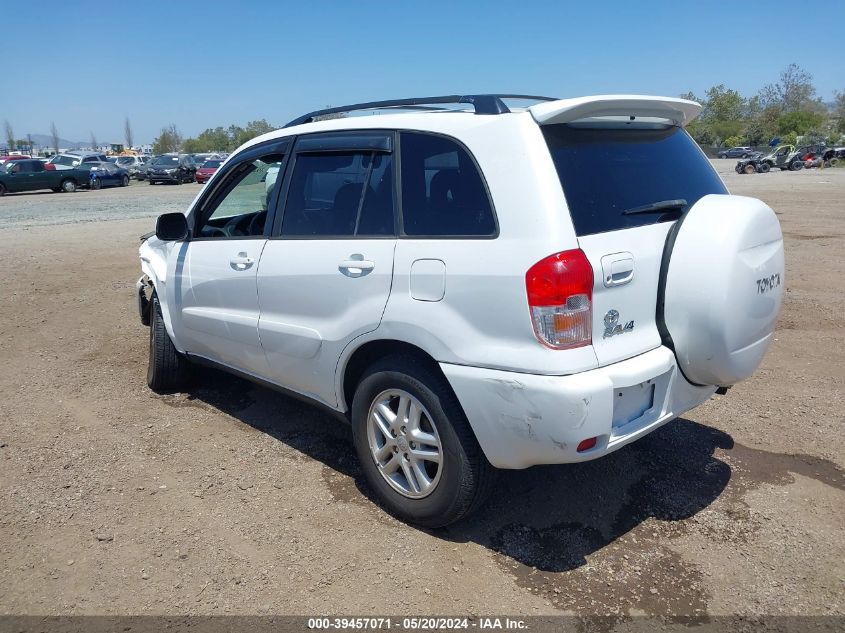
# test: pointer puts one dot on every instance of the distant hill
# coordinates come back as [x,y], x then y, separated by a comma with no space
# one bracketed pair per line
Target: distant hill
[45,140]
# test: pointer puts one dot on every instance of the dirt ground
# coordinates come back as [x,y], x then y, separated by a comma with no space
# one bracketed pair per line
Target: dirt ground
[234,499]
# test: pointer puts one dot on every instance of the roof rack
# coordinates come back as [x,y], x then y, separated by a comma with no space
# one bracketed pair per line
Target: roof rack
[483,104]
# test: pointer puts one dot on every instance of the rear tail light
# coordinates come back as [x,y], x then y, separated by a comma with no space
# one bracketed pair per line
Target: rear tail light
[560,298]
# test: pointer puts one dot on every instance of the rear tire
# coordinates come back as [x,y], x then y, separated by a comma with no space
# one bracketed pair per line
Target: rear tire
[2,189]
[749,169]
[96,184]
[462,479]
[125,181]
[796,165]
[167,370]
[764,168]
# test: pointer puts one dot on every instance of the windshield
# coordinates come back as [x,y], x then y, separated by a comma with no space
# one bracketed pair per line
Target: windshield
[212,164]
[68,161]
[166,160]
[608,168]
[125,160]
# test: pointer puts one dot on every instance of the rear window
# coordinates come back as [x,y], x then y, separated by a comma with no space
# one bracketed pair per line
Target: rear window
[608,168]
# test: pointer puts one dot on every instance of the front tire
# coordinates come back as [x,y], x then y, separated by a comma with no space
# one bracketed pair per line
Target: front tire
[125,181]
[68,186]
[2,189]
[167,370]
[415,445]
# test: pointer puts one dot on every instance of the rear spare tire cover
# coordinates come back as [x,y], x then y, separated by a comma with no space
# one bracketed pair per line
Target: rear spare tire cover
[724,288]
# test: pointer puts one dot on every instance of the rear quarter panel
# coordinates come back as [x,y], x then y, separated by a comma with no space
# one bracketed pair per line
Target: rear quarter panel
[483,318]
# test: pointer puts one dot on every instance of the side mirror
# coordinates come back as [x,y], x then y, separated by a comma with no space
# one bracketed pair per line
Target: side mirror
[171,227]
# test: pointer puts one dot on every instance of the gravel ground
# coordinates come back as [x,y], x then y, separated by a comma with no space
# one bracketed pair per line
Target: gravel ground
[233,499]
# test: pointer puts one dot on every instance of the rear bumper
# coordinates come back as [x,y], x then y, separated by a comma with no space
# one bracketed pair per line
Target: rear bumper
[522,420]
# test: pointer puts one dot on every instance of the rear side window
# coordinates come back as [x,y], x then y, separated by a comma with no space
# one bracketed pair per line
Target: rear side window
[608,168]
[443,194]
[340,195]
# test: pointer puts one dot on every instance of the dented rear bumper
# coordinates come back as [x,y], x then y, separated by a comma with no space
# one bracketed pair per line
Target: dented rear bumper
[522,420]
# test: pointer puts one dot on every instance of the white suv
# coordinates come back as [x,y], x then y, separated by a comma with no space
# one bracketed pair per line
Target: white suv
[493,287]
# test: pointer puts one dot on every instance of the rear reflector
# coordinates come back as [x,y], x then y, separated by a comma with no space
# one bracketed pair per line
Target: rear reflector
[586,445]
[560,298]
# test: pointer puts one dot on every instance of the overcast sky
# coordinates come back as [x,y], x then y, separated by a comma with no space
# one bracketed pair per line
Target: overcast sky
[210,63]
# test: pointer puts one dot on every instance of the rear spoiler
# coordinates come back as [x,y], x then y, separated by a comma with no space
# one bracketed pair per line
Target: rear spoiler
[679,111]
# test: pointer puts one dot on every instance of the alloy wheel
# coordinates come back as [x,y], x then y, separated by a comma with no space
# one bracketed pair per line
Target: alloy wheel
[404,443]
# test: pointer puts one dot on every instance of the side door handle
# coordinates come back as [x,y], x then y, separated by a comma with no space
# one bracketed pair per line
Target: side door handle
[241,262]
[356,266]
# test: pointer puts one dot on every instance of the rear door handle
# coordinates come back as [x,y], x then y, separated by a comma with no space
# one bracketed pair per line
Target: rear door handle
[355,267]
[618,269]
[241,262]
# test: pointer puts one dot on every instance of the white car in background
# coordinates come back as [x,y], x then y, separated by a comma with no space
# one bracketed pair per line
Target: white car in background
[473,290]
[72,160]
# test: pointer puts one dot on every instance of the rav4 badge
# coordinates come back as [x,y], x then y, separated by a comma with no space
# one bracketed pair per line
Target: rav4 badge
[612,327]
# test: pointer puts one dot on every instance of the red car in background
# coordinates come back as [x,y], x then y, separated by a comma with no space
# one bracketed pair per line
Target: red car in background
[9,157]
[207,170]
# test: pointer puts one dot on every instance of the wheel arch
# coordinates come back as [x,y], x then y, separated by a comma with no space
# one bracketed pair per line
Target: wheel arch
[356,362]
[154,266]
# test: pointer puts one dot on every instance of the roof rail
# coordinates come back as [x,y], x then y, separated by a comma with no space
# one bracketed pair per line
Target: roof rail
[483,104]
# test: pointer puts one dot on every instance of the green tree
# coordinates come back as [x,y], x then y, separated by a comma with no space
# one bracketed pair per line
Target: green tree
[54,133]
[733,141]
[793,91]
[799,121]
[241,135]
[127,134]
[723,104]
[169,140]
[10,136]
[839,111]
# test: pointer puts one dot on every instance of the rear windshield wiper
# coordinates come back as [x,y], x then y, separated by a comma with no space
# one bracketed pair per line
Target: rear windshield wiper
[658,207]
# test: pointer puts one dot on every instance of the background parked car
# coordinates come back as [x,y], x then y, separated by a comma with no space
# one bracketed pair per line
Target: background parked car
[71,160]
[6,158]
[207,170]
[32,175]
[171,168]
[736,152]
[130,163]
[141,171]
[105,174]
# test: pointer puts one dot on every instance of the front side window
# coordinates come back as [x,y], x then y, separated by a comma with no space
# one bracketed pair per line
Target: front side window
[340,195]
[239,208]
[443,194]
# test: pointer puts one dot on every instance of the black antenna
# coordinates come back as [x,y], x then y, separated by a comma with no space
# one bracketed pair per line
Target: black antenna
[483,104]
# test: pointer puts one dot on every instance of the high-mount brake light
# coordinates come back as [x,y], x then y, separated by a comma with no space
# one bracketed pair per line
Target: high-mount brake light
[560,299]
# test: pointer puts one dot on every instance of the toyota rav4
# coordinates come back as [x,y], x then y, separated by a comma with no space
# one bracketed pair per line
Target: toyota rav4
[473,287]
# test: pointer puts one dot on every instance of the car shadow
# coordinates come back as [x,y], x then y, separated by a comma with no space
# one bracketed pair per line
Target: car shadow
[549,518]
